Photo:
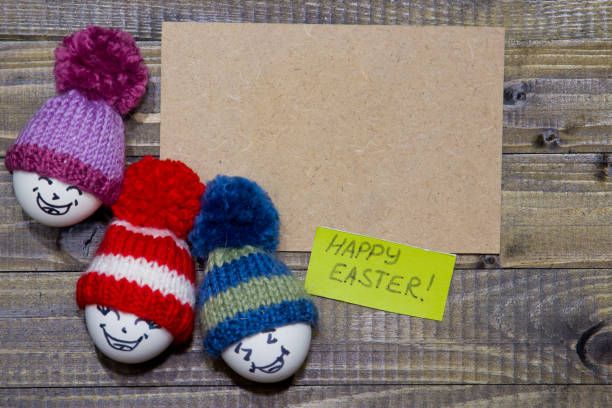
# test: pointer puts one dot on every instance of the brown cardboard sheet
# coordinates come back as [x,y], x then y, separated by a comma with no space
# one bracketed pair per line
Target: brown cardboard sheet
[388,131]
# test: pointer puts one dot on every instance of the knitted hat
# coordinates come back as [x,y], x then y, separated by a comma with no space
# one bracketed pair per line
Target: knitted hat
[245,289]
[143,265]
[77,136]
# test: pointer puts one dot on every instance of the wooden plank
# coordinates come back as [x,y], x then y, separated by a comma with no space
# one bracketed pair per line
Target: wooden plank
[559,59]
[527,334]
[456,396]
[556,99]
[557,210]
[524,20]
[27,245]
[500,327]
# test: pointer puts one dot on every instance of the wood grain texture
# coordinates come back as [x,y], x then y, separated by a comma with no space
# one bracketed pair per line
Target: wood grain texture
[350,396]
[556,99]
[500,327]
[510,337]
[556,211]
[524,20]
[27,245]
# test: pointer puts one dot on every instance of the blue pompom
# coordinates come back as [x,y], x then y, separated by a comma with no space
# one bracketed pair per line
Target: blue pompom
[235,212]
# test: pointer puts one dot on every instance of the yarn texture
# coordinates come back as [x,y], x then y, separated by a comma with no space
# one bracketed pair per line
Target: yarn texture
[235,212]
[76,140]
[161,194]
[78,135]
[143,265]
[102,63]
[245,289]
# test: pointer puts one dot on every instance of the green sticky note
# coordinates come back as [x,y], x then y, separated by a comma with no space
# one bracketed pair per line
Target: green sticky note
[379,274]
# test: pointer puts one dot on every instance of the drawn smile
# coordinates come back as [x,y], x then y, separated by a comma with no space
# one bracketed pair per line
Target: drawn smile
[118,344]
[274,366]
[51,209]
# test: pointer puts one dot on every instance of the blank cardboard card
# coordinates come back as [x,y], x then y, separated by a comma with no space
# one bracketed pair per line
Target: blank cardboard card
[388,131]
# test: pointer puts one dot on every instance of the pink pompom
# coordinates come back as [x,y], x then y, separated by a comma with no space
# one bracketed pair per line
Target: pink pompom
[102,63]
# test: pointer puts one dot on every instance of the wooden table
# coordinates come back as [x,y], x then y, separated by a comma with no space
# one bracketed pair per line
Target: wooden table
[531,326]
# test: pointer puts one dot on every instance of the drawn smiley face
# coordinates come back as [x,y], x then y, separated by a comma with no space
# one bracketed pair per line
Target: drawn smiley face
[51,201]
[58,208]
[270,355]
[125,337]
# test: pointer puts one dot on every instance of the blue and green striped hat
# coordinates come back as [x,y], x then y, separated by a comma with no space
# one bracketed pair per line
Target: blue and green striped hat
[245,289]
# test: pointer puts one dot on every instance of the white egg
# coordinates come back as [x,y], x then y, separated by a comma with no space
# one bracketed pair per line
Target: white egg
[271,355]
[125,337]
[51,201]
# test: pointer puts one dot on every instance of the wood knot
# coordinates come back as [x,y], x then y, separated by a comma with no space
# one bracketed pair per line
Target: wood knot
[604,168]
[595,347]
[81,241]
[488,261]
[549,138]
[600,348]
[515,93]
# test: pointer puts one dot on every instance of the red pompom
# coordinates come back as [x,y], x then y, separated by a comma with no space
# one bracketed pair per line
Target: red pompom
[102,63]
[160,194]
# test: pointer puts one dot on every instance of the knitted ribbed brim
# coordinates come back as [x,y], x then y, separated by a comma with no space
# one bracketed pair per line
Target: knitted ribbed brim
[77,136]
[145,271]
[76,140]
[246,290]
[143,265]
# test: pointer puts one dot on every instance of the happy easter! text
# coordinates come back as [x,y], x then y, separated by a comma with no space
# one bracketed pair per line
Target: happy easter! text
[377,278]
[380,274]
[369,277]
[353,249]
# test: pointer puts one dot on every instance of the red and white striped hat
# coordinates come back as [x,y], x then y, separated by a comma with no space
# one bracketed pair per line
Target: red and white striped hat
[143,265]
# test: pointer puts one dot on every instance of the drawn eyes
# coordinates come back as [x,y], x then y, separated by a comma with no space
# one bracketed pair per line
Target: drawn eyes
[55,196]
[47,179]
[76,202]
[271,339]
[247,351]
[152,324]
[74,188]
[104,310]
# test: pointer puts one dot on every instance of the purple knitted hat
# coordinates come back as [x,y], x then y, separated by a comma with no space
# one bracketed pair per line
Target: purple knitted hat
[77,136]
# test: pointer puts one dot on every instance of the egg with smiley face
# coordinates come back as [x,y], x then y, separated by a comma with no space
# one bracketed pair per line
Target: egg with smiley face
[70,156]
[255,313]
[51,201]
[125,337]
[270,355]
[138,292]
